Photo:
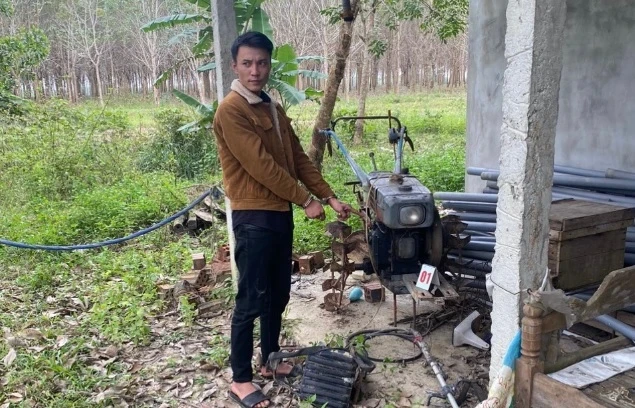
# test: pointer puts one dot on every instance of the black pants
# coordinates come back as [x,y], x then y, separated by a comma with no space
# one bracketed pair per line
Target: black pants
[263,258]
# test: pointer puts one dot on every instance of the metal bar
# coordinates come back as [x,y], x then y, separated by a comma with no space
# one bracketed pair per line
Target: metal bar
[333,123]
[418,340]
[359,172]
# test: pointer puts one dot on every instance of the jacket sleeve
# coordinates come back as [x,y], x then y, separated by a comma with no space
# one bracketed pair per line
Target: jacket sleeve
[306,171]
[246,146]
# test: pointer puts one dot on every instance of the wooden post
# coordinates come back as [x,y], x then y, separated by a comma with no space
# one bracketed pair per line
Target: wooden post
[529,362]
[225,33]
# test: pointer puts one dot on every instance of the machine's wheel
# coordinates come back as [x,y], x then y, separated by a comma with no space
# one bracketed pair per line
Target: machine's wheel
[435,239]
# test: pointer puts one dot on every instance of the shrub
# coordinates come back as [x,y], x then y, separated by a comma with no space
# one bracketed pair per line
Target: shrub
[191,155]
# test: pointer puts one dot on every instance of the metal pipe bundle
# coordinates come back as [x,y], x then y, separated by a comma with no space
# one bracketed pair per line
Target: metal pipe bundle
[478,211]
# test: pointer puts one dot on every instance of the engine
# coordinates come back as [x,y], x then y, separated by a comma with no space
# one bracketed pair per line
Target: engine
[402,233]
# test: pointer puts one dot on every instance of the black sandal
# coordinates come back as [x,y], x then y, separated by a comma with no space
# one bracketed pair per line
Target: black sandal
[251,400]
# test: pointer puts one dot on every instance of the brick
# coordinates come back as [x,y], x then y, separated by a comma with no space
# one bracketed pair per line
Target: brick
[318,258]
[198,261]
[307,265]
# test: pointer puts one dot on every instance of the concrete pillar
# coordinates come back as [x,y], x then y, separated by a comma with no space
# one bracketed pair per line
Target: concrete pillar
[225,32]
[533,50]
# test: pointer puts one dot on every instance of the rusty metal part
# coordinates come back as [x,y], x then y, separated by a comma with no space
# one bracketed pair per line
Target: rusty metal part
[434,236]
[452,224]
[457,241]
[342,244]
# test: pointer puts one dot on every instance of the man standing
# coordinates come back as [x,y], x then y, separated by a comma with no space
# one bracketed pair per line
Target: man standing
[263,163]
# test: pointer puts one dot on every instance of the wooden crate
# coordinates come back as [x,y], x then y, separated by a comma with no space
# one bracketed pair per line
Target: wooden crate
[586,241]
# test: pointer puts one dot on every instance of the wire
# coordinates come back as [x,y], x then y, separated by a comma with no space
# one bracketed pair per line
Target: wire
[371,334]
[137,234]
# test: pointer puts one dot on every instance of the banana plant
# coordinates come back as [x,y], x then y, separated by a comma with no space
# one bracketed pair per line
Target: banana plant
[249,16]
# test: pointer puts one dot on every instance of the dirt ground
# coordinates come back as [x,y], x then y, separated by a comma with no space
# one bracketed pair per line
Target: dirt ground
[180,368]
[390,383]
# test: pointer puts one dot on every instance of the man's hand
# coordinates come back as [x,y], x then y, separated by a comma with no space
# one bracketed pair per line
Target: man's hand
[343,210]
[315,211]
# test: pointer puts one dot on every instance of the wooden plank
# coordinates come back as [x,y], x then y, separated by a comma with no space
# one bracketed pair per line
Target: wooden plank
[447,289]
[627,382]
[589,245]
[578,272]
[598,393]
[576,214]
[611,387]
[616,292]
[205,216]
[553,321]
[417,294]
[569,359]
[550,393]
[555,235]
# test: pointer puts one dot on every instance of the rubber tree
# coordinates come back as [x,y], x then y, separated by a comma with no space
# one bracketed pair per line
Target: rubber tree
[335,76]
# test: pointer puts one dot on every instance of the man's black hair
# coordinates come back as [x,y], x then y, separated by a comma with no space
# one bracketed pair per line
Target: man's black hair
[252,39]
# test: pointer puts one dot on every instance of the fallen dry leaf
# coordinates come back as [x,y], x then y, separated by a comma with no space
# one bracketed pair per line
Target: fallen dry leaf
[15,397]
[206,394]
[111,351]
[31,334]
[10,357]
[112,392]
[61,341]
[14,342]
[404,402]
[370,403]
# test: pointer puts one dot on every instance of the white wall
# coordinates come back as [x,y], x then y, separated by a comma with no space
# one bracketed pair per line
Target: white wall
[596,124]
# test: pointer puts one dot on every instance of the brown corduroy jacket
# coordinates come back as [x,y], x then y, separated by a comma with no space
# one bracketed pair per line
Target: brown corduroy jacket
[261,168]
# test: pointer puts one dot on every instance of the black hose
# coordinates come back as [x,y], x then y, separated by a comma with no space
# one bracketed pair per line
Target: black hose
[372,333]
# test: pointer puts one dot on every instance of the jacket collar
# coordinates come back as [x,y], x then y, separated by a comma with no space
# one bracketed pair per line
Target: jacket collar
[251,97]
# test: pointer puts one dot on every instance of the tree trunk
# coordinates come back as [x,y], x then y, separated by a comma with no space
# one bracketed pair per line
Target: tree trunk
[388,72]
[336,73]
[397,76]
[98,84]
[368,28]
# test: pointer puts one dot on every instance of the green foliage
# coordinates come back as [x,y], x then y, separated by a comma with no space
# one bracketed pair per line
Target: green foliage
[218,354]
[65,151]
[187,310]
[186,155]
[249,16]
[20,54]
[6,7]
[446,18]
[377,48]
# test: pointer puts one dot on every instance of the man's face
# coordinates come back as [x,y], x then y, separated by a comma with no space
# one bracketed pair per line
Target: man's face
[252,66]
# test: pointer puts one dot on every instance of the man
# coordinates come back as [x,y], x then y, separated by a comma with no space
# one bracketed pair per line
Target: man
[262,162]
